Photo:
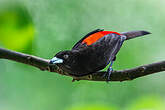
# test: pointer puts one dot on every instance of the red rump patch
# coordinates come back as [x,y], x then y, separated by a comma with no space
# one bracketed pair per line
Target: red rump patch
[96,36]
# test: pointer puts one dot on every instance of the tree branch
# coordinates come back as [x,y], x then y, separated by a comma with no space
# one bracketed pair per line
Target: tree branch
[43,64]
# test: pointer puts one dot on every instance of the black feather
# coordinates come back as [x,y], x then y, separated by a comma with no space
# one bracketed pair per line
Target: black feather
[133,34]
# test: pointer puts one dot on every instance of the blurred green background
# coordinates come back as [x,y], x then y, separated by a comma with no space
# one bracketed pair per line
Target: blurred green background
[44,27]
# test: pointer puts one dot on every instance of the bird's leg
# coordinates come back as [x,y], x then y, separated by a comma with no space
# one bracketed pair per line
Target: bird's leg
[109,71]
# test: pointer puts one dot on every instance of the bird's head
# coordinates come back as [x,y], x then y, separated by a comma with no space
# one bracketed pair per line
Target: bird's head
[62,57]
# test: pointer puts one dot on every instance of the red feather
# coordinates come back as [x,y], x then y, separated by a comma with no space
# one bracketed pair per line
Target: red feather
[96,36]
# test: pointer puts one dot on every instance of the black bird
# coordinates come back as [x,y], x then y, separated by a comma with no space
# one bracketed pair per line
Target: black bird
[93,52]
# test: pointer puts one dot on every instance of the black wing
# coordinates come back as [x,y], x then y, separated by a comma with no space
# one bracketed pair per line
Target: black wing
[109,45]
[90,33]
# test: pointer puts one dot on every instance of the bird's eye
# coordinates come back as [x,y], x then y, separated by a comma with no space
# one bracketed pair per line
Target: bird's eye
[66,56]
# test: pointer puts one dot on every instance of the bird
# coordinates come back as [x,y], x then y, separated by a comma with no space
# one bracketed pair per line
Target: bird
[94,52]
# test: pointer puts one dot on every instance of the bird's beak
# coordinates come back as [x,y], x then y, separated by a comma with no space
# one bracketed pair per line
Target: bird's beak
[56,60]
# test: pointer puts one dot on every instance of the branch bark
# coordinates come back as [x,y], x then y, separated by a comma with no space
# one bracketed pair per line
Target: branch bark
[122,75]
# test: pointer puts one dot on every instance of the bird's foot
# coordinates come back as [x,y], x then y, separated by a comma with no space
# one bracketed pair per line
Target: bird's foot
[108,74]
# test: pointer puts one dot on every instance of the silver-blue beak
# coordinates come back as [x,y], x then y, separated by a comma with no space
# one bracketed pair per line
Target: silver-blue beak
[56,60]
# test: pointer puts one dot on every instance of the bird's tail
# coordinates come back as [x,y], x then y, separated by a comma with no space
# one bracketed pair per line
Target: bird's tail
[133,34]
